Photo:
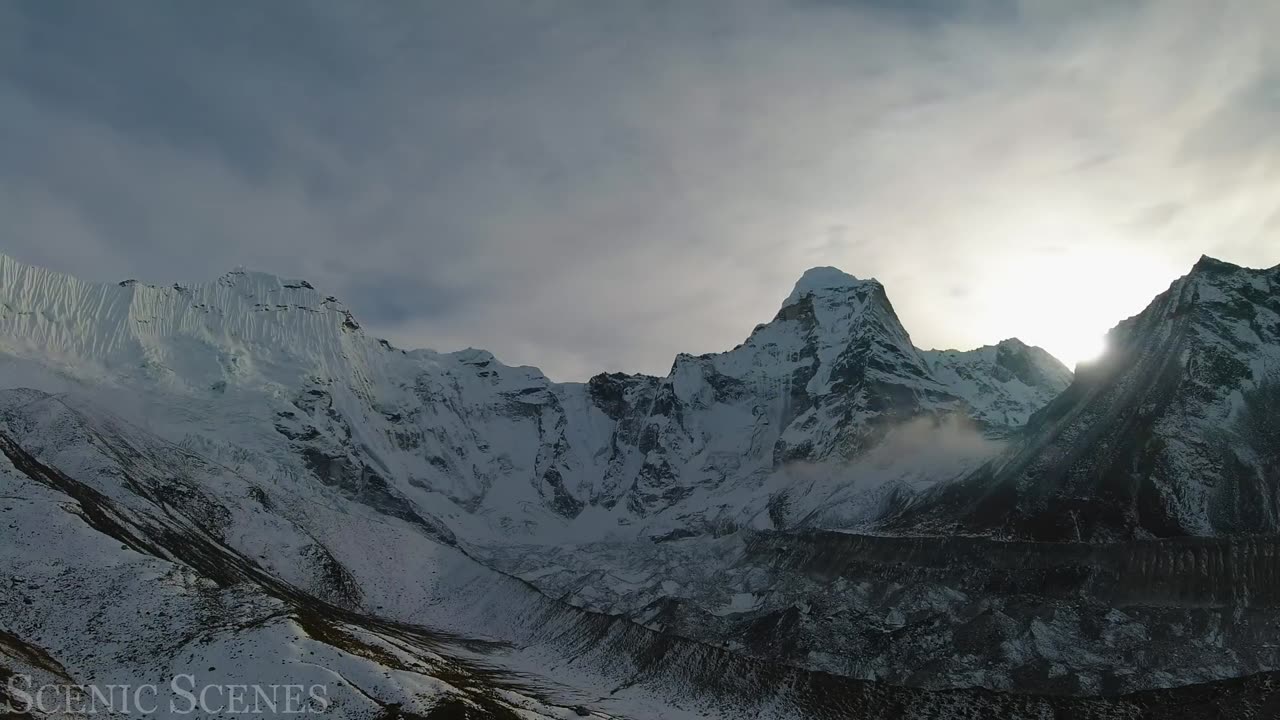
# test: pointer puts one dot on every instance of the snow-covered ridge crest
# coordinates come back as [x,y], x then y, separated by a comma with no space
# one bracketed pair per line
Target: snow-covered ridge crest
[823,383]
[243,324]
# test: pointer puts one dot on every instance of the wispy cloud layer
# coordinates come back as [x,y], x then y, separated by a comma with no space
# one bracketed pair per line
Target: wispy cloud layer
[592,186]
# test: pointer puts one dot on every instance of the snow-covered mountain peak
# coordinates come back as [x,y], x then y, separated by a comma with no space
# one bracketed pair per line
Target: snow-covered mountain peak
[1217,301]
[1004,383]
[1208,265]
[825,279]
[1212,271]
[1014,343]
[1212,281]
[829,309]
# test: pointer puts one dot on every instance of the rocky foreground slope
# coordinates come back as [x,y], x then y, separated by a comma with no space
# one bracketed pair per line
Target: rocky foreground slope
[232,478]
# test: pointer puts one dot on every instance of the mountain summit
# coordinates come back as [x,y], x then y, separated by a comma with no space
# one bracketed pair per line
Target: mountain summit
[818,279]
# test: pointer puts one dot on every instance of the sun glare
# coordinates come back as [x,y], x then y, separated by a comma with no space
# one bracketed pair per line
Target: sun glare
[1082,350]
[1067,296]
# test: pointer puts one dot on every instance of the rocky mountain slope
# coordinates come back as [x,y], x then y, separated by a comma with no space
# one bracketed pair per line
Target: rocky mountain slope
[945,612]
[1174,433]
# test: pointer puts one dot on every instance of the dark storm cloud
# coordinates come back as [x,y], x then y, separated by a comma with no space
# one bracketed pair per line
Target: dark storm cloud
[589,186]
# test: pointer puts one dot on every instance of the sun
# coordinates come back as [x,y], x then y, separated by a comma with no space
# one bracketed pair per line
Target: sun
[1083,349]
[1065,298]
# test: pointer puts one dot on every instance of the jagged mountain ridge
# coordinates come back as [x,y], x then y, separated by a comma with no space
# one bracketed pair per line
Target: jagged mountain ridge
[1172,433]
[506,450]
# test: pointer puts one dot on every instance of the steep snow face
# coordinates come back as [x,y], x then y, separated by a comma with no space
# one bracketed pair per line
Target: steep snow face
[1173,433]
[245,328]
[761,435]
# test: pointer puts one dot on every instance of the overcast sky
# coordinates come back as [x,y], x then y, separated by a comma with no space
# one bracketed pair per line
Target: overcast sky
[590,186]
